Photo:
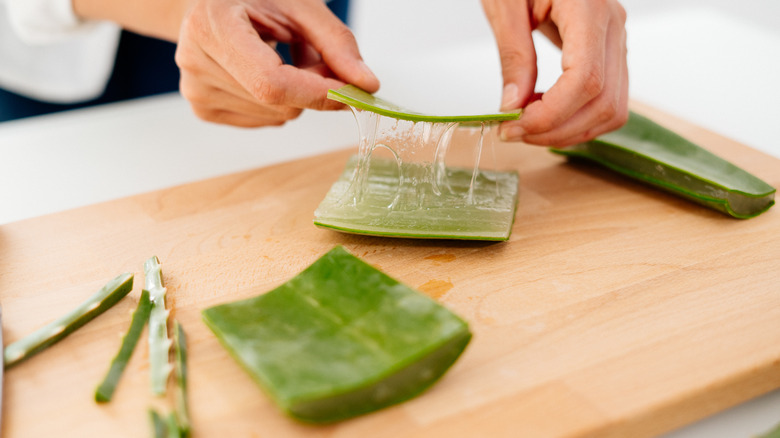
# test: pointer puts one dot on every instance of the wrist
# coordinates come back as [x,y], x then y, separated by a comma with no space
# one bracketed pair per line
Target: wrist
[155,18]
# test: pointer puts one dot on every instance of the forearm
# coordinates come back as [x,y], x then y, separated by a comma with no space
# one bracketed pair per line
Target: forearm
[155,18]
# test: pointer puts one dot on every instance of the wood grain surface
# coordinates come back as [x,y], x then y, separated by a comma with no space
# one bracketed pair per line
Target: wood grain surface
[614,310]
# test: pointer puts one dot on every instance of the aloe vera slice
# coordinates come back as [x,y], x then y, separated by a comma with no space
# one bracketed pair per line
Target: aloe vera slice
[159,342]
[180,372]
[488,215]
[340,339]
[355,97]
[105,390]
[648,152]
[58,329]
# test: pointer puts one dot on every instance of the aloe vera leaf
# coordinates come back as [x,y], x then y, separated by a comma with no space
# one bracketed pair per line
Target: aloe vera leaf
[159,342]
[340,339]
[180,372]
[159,425]
[354,96]
[650,153]
[58,329]
[774,433]
[489,216]
[105,390]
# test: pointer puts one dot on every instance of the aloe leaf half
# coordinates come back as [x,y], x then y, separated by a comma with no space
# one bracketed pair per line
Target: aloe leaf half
[356,97]
[650,153]
[105,390]
[340,339]
[58,329]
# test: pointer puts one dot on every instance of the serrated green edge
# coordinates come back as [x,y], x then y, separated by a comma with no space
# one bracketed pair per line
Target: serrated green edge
[358,98]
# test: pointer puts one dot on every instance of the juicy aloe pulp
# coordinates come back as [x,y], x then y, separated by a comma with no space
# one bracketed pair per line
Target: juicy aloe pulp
[340,339]
[389,208]
[648,152]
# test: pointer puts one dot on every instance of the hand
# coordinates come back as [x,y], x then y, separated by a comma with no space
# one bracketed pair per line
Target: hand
[591,96]
[231,73]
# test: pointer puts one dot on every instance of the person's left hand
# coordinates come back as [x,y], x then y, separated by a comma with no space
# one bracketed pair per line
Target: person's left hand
[591,96]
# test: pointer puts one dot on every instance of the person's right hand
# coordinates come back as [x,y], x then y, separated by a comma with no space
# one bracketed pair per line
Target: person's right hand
[231,74]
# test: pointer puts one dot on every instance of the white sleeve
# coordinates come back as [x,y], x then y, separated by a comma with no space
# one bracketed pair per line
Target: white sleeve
[48,53]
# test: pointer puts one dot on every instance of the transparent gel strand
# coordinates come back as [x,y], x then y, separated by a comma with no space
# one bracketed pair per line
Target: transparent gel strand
[439,167]
[368,124]
[475,171]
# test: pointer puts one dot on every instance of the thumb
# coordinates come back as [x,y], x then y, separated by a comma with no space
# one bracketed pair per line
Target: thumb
[512,29]
[337,46]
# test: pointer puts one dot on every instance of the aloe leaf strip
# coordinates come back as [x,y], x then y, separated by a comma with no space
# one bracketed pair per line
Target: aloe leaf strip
[58,329]
[360,99]
[159,425]
[106,389]
[159,343]
[180,373]
[174,431]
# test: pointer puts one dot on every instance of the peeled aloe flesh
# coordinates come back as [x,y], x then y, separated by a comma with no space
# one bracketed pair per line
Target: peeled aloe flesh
[357,98]
[340,339]
[648,152]
[388,208]
[58,329]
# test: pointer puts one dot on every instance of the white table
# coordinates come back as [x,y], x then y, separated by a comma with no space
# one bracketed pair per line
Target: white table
[700,61]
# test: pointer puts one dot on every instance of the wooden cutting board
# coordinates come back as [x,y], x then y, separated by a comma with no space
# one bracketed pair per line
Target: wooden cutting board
[614,310]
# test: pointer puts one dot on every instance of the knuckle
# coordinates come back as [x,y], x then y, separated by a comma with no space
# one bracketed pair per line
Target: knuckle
[592,81]
[264,90]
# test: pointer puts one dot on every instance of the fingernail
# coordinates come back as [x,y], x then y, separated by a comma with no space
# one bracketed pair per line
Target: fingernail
[367,73]
[511,98]
[511,133]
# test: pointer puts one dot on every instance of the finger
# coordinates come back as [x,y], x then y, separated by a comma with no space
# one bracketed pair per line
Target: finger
[512,30]
[336,44]
[259,70]
[606,112]
[583,30]
[207,97]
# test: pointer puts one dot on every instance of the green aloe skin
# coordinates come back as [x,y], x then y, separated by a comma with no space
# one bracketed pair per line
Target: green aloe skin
[357,98]
[340,339]
[55,331]
[182,416]
[650,153]
[106,389]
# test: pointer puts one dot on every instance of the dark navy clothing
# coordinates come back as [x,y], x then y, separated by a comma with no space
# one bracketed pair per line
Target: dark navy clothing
[144,66]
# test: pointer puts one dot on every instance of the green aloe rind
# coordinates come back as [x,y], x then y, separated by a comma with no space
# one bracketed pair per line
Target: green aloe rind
[358,98]
[488,216]
[340,339]
[158,424]
[106,389]
[650,153]
[180,373]
[774,433]
[159,342]
[58,329]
